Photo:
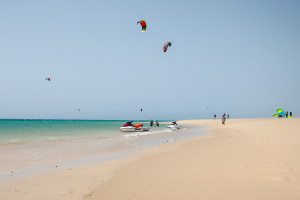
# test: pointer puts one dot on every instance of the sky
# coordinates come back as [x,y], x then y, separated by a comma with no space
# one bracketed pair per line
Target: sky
[237,57]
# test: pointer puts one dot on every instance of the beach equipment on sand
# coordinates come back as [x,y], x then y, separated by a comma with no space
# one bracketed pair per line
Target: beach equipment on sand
[279,113]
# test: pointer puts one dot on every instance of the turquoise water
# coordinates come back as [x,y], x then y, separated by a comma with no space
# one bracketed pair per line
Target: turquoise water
[12,130]
[33,146]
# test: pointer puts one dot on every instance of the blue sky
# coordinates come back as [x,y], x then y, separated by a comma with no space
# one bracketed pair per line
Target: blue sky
[238,57]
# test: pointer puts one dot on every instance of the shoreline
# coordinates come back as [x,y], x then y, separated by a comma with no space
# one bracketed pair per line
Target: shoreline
[200,168]
[90,149]
[11,187]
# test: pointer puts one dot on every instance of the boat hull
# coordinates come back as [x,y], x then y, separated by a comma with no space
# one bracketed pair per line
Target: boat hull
[173,127]
[134,129]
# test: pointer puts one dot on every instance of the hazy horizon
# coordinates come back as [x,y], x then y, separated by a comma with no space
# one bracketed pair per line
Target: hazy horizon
[234,57]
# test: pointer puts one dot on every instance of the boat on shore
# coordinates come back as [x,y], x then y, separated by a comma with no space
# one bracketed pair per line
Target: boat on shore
[130,127]
[173,126]
[134,129]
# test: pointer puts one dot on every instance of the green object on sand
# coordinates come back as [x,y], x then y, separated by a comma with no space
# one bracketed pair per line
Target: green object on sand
[279,113]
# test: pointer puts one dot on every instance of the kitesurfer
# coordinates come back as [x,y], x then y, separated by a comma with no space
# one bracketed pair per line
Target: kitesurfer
[157,124]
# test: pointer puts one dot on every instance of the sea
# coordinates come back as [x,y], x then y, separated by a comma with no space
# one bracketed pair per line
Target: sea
[27,130]
[34,146]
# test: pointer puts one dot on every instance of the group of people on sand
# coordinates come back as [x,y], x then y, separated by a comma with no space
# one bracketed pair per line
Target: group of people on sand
[224,117]
[152,122]
[288,114]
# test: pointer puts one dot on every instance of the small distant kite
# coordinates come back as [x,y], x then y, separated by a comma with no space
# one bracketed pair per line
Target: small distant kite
[166,46]
[48,79]
[143,25]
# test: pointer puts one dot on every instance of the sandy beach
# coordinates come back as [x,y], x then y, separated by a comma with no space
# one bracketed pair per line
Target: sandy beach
[127,100]
[245,159]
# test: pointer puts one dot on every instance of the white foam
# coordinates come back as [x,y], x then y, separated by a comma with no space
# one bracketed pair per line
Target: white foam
[143,133]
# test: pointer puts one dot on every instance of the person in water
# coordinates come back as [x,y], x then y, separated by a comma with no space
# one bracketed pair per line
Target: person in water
[157,124]
[151,122]
[223,119]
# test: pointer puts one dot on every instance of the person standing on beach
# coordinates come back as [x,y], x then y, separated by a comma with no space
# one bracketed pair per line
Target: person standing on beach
[215,116]
[227,116]
[223,119]
[291,114]
[286,114]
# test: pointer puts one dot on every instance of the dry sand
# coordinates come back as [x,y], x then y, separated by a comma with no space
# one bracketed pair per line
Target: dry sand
[245,159]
